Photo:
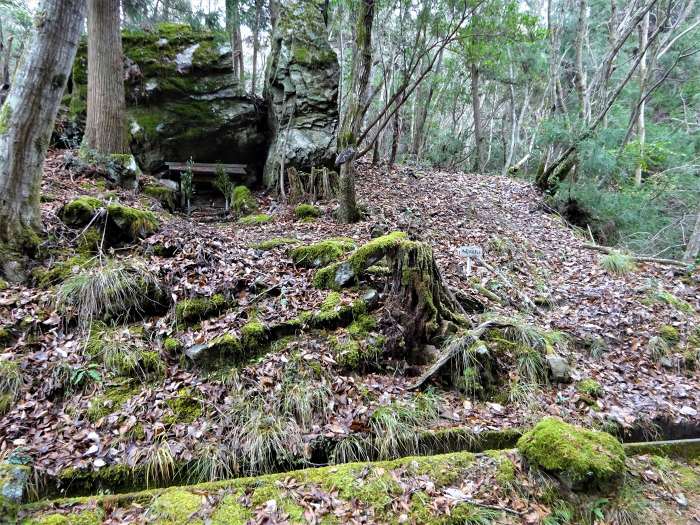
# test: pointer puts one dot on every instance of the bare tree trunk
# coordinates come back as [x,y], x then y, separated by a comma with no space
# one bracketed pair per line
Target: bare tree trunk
[643,74]
[256,45]
[693,249]
[580,78]
[105,126]
[395,136]
[27,117]
[233,26]
[423,105]
[5,56]
[352,120]
[479,153]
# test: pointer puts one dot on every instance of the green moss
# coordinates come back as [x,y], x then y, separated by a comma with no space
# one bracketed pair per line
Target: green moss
[243,202]
[669,334]
[285,503]
[176,506]
[230,512]
[359,260]
[321,253]
[60,270]
[5,116]
[3,284]
[89,242]
[583,458]
[590,387]
[162,194]
[132,222]
[111,401]
[190,311]
[80,211]
[251,220]
[253,335]
[6,401]
[307,211]
[505,468]
[270,244]
[186,408]
[362,325]
[85,517]
[660,295]
[172,345]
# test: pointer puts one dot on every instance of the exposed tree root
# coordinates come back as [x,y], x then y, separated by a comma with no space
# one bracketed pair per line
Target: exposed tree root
[451,351]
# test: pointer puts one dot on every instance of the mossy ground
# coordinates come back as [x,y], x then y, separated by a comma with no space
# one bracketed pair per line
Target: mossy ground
[321,253]
[190,311]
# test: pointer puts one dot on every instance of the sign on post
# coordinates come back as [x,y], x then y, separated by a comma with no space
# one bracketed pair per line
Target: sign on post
[469,252]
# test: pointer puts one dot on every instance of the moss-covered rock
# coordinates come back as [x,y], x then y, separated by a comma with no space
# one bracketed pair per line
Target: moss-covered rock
[253,335]
[252,220]
[80,211]
[176,506]
[60,270]
[307,212]
[321,253]
[276,242]
[186,408]
[172,345]
[584,459]
[302,65]
[162,194]
[132,223]
[339,274]
[669,334]
[242,201]
[190,311]
[181,99]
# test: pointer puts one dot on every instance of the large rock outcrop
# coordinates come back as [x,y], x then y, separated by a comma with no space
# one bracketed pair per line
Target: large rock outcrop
[301,90]
[181,100]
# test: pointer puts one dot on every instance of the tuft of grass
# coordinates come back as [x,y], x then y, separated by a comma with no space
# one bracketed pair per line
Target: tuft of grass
[351,449]
[658,347]
[306,401]
[396,427]
[214,461]
[630,506]
[159,463]
[617,263]
[531,365]
[265,440]
[526,334]
[115,290]
[466,369]
[10,379]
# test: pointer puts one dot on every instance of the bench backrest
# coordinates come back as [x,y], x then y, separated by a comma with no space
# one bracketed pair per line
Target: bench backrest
[203,167]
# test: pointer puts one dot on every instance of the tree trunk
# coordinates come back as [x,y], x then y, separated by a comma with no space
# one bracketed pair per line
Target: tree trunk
[479,156]
[27,117]
[256,45]
[641,123]
[693,249]
[352,120]
[580,77]
[233,26]
[395,136]
[105,126]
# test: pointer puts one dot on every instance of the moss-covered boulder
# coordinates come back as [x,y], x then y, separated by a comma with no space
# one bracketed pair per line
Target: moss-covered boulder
[189,311]
[583,459]
[301,67]
[124,223]
[181,99]
[321,253]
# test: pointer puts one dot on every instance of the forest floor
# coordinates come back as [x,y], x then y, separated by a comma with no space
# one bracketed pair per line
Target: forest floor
[609,321]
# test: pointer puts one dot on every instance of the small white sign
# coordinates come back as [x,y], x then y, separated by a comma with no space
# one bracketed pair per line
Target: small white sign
[469,252]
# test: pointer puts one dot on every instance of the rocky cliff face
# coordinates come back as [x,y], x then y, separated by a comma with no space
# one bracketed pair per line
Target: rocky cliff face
[301,90]
[181,100]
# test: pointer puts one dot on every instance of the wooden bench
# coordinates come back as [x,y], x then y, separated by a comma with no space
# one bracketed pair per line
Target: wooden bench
[205,171]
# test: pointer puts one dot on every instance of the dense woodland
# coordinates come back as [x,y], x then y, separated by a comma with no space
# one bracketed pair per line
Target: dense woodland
[312,261]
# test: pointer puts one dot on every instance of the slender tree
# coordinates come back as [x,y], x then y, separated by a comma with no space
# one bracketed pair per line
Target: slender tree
[105,126]
[28,114]
[352,120]
[233,26]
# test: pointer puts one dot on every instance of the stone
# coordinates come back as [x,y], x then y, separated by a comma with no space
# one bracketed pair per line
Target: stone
[181,100]
[371,298]
[301,90]
[559,369]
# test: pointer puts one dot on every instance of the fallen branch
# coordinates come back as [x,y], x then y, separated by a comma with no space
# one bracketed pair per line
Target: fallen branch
[451,351]
[638,258]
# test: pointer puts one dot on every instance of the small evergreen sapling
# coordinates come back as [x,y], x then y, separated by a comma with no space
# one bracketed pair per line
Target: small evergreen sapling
[186,184]
[224,184]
